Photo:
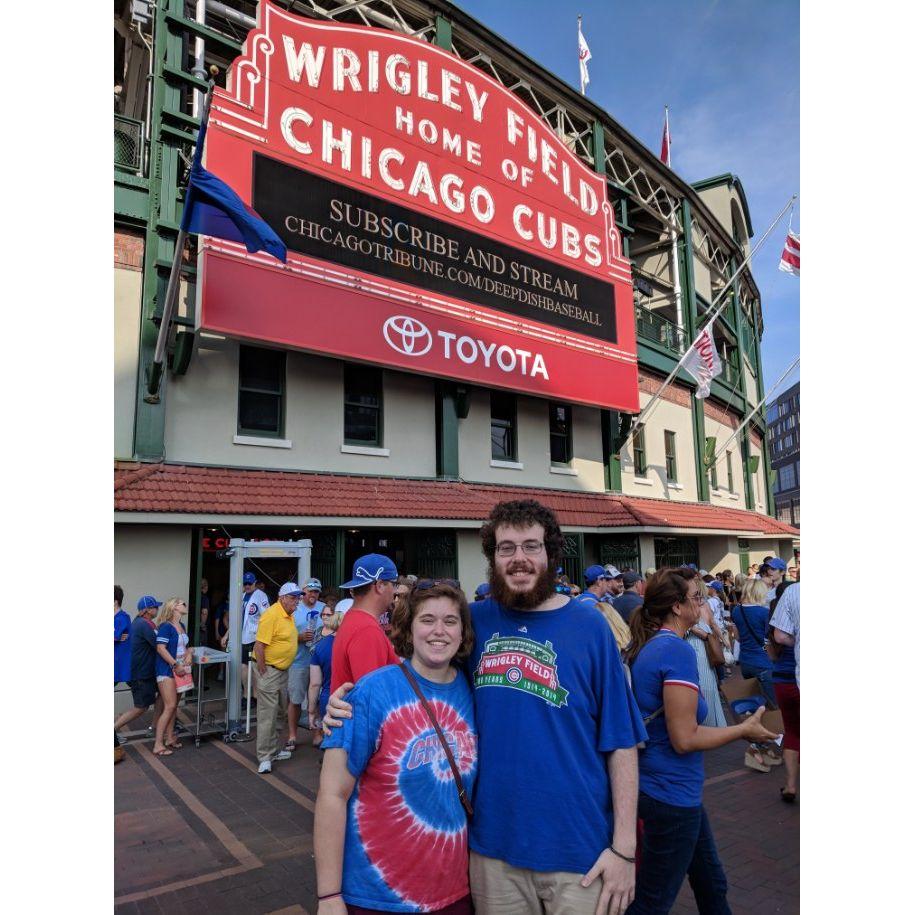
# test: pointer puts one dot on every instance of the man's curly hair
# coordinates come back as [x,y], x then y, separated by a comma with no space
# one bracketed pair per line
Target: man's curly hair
[522,513]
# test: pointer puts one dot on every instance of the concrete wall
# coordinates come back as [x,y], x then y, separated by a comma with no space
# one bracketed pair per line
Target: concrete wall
[202,419]
[678,419]
[471,563]
[150,559]
[128,285]
[721,496]
[533,439]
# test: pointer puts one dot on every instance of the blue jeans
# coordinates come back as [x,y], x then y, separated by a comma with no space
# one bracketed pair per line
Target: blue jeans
[764,675]
[677,842]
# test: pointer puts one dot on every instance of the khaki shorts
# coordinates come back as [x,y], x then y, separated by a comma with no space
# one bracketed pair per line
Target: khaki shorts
[298,685]
[501,889]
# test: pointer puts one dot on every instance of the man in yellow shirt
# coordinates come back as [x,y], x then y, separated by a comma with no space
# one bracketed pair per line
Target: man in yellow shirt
[274,650]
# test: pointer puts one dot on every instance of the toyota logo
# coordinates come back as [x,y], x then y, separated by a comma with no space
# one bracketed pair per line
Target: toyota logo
[407,335]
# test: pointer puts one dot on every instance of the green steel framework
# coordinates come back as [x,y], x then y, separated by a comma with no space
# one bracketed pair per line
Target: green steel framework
[155,204]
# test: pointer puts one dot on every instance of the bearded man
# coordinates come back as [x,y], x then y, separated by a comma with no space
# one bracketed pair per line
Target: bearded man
[557,789]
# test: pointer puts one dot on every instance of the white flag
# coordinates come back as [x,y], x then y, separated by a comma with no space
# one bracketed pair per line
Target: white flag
[702,361]
[584,55]
[791,255]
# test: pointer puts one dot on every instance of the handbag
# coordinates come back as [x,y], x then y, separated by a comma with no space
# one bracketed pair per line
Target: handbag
[184,682]
[714,651]
[458,781]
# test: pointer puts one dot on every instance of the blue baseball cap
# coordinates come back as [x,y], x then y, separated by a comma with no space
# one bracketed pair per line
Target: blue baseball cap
[248,578]
[717,585]
[482,590]
[593,573]
[148,603]
[373,567]
[776,563]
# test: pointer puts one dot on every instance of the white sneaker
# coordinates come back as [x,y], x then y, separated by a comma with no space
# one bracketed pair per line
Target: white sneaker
[283,754]
[264,767]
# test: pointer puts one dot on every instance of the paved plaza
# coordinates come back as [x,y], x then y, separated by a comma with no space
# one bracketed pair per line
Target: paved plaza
[200,831]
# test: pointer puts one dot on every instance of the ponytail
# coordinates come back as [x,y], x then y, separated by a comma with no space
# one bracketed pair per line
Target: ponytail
[642,627]
[666,588]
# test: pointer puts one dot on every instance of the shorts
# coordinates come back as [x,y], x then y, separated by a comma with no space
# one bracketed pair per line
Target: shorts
[298,685]
[144,692]
[246,652]
[162,677]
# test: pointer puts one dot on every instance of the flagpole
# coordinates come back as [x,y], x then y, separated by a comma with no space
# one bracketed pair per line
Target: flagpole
[706,320]
[171,293]
[675,253]
[753,412]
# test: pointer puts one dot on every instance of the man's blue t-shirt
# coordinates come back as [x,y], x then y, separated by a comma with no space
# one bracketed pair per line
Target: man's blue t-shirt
[321,657]
[664,774]
[167,636]
[588,597]
[551,702]
[751,622]
[306,618]
[405,799]
[142,649]
[626,603]
[121,649]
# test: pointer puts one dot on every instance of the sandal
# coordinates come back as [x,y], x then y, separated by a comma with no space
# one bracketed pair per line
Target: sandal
[177,745]
[753,759]
[290,746]
[788,796]
[163,752]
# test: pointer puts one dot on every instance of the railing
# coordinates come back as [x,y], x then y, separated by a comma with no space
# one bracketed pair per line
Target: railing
[653,327]
[128,144]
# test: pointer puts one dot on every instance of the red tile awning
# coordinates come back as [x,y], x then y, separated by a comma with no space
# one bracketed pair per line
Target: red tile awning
[183,489]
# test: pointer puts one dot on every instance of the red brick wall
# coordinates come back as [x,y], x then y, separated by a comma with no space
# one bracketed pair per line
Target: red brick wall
[128,249]
[720,415]
[649,382]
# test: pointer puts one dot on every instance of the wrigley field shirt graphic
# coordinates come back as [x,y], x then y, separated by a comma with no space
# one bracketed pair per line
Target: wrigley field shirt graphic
[551,702]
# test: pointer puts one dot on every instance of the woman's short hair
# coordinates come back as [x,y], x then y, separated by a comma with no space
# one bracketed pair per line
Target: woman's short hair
[166,611]
[754,593]
[333,621]
[402,621]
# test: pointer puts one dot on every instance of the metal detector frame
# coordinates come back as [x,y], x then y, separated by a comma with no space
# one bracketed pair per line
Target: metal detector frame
[240,550]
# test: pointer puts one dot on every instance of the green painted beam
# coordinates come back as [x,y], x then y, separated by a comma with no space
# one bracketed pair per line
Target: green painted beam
[176,74]
[443,32]
[688,286]
[130,201]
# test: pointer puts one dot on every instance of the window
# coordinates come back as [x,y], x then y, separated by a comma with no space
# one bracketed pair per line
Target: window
[786,478]
[261,385]
[670,455]
[713,476]
[675,551]
[560,433]
[503,418]
[362,405]
[638,453]
[730,473]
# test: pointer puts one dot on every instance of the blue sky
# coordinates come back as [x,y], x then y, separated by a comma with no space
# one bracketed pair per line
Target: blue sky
[728,69]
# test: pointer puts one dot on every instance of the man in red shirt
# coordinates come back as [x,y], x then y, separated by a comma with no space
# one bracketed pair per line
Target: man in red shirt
[361,645]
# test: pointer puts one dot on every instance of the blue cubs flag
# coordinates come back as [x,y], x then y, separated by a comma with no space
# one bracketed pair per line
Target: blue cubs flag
[211,207]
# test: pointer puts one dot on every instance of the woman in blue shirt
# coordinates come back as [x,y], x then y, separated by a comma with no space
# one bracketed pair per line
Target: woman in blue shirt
[751,616]
[320,670]
[677,838]
[168,623]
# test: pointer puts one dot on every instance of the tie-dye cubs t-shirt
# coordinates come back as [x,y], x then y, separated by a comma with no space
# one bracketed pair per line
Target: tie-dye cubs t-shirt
[406,832]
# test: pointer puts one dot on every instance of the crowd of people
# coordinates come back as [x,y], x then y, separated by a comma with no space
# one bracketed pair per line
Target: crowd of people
[533,743]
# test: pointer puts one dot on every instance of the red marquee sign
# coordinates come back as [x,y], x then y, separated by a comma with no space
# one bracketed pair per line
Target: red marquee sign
[434,222]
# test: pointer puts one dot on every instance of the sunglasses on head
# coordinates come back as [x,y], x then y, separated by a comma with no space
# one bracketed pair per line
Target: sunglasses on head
[425,583]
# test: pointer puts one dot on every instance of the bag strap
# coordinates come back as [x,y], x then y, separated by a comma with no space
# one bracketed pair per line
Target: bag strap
[653,715]
[458,781]
[746,623]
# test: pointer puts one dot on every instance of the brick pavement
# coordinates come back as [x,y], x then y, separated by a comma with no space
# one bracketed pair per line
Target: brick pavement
[201,831]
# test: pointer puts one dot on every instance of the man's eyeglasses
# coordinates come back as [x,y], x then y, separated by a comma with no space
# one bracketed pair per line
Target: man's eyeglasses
[530,548]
